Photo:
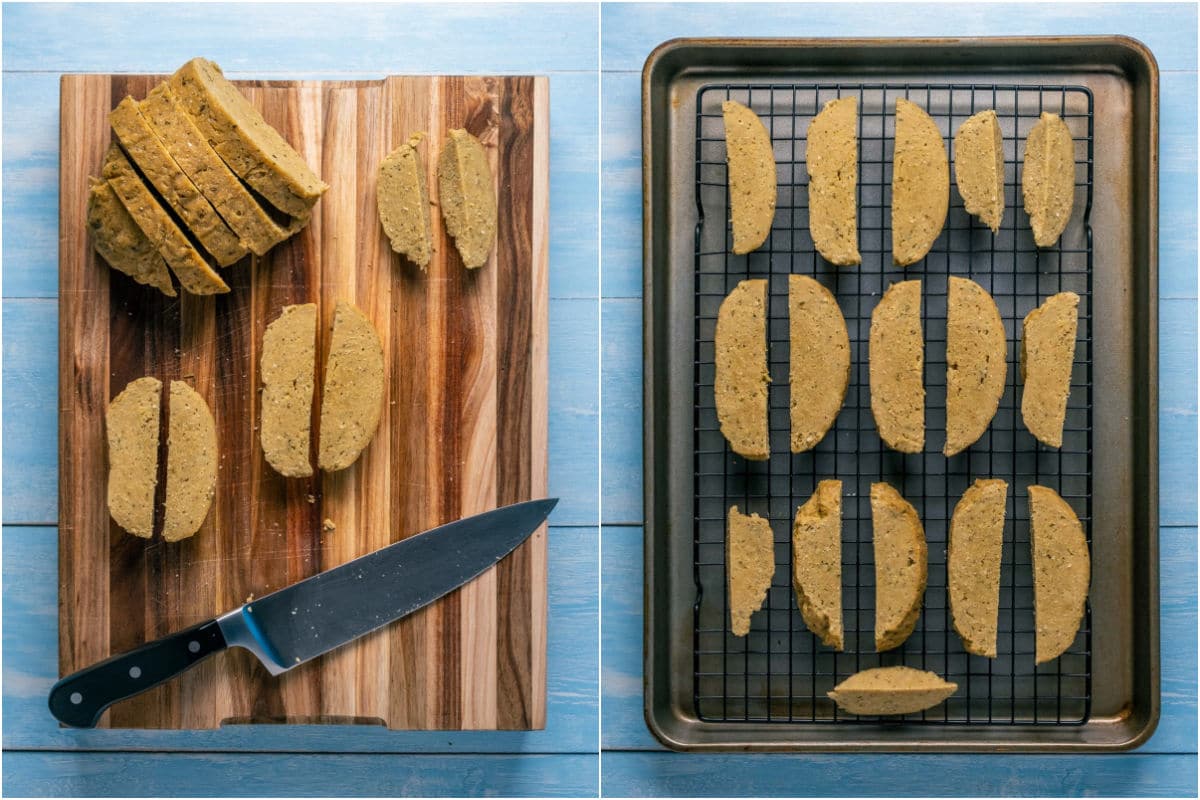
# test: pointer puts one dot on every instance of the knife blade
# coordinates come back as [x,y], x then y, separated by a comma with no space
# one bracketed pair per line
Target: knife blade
[307,619]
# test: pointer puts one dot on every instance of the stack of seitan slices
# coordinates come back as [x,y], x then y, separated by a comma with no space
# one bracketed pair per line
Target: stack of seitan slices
[184,176]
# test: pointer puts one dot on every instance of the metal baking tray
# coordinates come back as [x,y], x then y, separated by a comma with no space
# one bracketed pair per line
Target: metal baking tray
[706,689]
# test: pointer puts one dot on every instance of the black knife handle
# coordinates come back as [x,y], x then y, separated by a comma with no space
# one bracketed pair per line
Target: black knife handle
[79,699]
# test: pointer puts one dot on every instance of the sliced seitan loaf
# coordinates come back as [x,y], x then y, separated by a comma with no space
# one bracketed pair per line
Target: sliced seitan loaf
[817,562]
[121,243]
[132,424]
[189,266]
[1062,569]
[467,195]
[1047,358]
[820,360]
[741,375]
[1048,181]
[897,366]
[979,168]
[891,690]
[288,363]
[920,184]
[832,159]
[192,152]
[352,395]
[403,198]
[750,564]
[976,363]
[973,564]
[191,463]
[901,566]
[752,178]
[254,150]
[145,150]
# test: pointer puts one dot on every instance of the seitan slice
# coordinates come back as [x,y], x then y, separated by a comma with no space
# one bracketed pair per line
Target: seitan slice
[891,690]
[740,371]
[832,159]
[979,168]
[750,563]
[920,184]
[403,199]
[144,149]
[1048,181]
[352,396]
[901,566]
[976,363]
[1047,358]
[897,368]
[752,179]
[191,463]
[973,564]
[132,424]
[254,150]
[189,266]
[121,243]
[820,360]
[817,562]
[467,195]
[288,363]
[1062,570]
[191,151]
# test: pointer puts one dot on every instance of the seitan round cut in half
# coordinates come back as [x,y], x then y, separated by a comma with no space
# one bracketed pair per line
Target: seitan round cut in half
[832,159]
[817,562]
[121,243]
[901,566]
[976,363]
[1048,180]
[191,463]
[132,424]
[467,195]
[287,364]
[740,371]
[1047,358]
[897,366]
[403,198]
[820,361]
[750,563]
[352,395]
[973,564]
[891,690]
[920,184]
[752,178]
[1062,571]
[979,168]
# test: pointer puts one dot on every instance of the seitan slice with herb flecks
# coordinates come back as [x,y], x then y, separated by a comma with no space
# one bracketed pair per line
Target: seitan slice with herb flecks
[976,363]
[897,367]
[901,566]
[920,184]
[740,370]
[1048,180]
[288,364]
[752,177]
[820,361]
[120,242]
[831,156]
[191,463]
[403,199]
[891,690]
[1062,570]
[817,562]
[750,563]
[352,395]
[973,564]
[979,168]
[467,195]
[1047,359]
[131,425]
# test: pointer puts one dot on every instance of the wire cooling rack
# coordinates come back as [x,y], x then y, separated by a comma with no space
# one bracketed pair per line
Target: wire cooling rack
[780,672]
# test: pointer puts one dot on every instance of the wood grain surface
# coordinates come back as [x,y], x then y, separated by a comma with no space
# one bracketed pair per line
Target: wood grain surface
[464,427]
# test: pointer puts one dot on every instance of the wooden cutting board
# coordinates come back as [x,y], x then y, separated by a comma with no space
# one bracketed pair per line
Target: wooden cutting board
[463,428]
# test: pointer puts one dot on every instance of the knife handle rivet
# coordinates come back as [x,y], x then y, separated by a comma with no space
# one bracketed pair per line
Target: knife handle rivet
[135,672]
[193,647]
[76,698]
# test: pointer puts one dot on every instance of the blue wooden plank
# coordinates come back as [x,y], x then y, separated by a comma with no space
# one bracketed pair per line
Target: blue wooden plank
[1177,411]
[320,39]
[684,775]
[253,775]
[574,410]
[574,185]
[621,157]
[621,411]
[631,31]
[1177,186]
[30,639]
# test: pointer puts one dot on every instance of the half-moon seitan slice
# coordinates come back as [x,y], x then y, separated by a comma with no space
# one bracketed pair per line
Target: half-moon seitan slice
[121,243]
[832,159]
[189,266]
[1048,181]
[1062,569]
[979,168]
[352,396]
[820,360]
[897,366]
[891,690]
[403,199]
[145,149]
[192,152]
[288,364]
[752,179]
[1047,358]
[817,562]
[467,195]
[973,564]
[920,184]
[750,564]
[976,363]
[131,425]
[254,150]
[740,372]
[901,566]
[191,463]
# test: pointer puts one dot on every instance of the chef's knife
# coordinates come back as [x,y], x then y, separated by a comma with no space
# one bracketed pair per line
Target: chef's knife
[307,619]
